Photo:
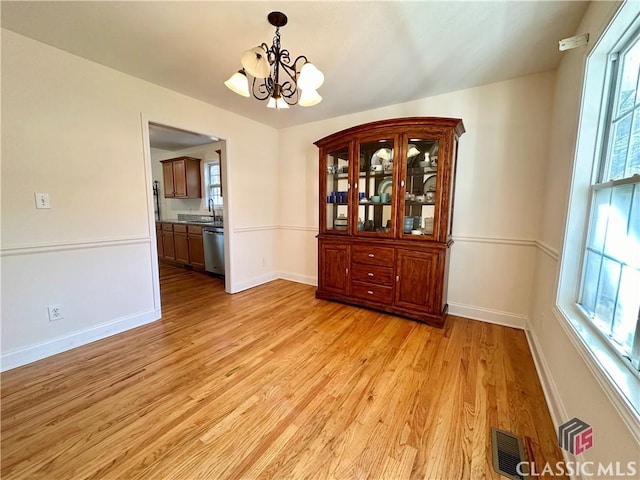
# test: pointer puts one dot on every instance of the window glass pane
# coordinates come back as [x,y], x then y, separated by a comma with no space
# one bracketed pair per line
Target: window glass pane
[619,147]
[598,226]
[624,323]
[629,81]
[633,155]
[616,243]
[606,297]
[633,258]
[213,181]
[214,174]
[592,272]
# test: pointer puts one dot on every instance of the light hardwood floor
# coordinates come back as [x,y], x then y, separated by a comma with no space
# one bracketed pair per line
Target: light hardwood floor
[272,383]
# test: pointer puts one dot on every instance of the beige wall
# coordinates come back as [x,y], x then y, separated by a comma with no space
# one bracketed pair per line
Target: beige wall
[572,388]
[501,171]
[73,128]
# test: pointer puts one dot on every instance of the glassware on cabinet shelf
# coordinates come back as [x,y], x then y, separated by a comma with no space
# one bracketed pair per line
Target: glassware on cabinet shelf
[337,190]
[375,186]
[421,185]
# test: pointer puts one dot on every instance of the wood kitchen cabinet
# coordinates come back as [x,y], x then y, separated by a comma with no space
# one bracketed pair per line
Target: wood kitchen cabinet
[168,251]
[386,215]
[181,177]
[181,244]
[196,247]
[159,239]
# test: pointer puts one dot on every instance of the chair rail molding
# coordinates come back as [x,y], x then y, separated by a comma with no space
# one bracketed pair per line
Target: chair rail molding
[34,248]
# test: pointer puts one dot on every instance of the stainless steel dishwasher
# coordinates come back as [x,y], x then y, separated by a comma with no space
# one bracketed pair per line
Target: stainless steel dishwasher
[213,238]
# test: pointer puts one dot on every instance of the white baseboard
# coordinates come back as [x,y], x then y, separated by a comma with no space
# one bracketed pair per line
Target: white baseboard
[508,319]
[254,282]
[48,348]
[488,315]
[551,394]
[296,277]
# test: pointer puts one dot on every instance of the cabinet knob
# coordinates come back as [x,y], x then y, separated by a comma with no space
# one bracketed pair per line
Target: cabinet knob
[402,183]
[346,271]
[371,255]
[370,274]
[355,186]
[370,292]
[397,278]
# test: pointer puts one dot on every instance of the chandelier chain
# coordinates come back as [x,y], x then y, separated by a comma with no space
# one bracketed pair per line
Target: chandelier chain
[280,60]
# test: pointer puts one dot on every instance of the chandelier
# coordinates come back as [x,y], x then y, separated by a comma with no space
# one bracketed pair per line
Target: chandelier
[275,77]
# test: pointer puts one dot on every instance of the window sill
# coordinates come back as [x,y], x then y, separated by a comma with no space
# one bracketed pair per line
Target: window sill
[619,383]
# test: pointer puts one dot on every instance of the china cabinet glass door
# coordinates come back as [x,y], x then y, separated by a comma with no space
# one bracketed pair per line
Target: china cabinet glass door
[337,191]
[421,187]
[375,187]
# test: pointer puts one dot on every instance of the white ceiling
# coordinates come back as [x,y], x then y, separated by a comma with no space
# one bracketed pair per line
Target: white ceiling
[372,53]
[173,139]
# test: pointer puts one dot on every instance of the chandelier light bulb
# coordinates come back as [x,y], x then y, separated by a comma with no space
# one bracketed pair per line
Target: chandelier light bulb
[277,103]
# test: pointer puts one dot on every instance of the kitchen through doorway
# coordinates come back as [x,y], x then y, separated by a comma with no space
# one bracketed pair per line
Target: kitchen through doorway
[188,186]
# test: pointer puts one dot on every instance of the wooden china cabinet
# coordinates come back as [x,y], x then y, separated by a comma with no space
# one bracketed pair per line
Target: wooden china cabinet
[386,212]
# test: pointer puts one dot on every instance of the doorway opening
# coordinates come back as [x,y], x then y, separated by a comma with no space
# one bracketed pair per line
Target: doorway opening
[185,211]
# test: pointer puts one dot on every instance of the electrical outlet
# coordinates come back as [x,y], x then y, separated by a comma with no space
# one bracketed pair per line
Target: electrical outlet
[55,312]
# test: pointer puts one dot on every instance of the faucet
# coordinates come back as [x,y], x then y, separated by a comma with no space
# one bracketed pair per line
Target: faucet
[216,218]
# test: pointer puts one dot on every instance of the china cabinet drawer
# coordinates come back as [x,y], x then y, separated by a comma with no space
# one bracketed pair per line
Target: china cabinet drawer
[180,228]
[372,274]
[372,292]
[372,255]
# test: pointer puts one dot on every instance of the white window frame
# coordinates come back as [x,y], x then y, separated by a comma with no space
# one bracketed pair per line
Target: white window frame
[218,201]
[620,382]
[603,183]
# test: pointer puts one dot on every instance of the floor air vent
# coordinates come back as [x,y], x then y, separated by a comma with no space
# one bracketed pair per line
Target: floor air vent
[508,452]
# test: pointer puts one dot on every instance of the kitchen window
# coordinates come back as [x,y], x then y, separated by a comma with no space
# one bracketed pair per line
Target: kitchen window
[214,185]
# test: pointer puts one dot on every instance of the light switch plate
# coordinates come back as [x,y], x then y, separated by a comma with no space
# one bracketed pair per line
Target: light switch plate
[42,200]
